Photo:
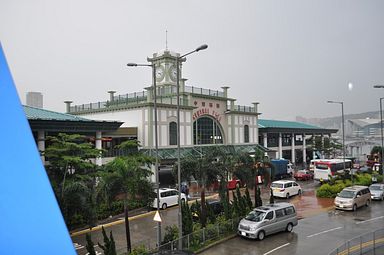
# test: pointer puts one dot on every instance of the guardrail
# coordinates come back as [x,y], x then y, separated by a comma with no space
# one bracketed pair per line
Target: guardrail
[369,243]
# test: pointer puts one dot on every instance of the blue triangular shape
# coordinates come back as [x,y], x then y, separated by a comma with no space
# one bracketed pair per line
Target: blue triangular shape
[30,218]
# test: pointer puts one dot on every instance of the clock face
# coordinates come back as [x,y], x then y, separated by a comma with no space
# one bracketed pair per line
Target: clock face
[159,73]
[173,73]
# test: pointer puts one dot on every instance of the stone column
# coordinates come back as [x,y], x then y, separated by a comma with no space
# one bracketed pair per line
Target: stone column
[68,106]
[280,146]
[313,146]
[265,140]
[304,151]
[225,91]
[98,146]
[293,155]
[41,144]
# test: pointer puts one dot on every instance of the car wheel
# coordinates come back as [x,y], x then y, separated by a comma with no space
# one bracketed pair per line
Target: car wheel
[367,202]
[287,196]
[289,227]
[164,206]
[382,197]
[182,200]
[354,207]
[261,235]
[299,192]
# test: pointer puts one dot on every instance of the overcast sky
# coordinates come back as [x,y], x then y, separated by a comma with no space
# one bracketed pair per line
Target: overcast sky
[291,56]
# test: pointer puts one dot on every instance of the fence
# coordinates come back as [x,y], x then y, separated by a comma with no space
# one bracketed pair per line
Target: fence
[202,237]
[369,243]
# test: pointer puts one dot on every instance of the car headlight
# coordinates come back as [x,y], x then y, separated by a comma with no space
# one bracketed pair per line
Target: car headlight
[253,228]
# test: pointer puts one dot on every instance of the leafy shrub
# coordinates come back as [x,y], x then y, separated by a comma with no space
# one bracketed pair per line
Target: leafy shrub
[330,191]
[171,233]
[363,179]
[140,250]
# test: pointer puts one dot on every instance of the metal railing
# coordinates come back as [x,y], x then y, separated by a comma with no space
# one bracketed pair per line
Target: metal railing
[241,108]
[202,237]
[369,243]
[201,91]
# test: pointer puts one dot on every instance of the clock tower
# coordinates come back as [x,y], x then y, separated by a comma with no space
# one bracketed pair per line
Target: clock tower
[166,71]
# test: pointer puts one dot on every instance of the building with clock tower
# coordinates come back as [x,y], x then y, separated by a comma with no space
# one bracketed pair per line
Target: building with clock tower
[207,117]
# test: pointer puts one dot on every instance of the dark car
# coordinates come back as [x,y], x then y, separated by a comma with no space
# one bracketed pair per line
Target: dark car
[216,206]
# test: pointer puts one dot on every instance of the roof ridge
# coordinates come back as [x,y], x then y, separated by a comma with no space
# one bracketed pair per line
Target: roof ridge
[53,112]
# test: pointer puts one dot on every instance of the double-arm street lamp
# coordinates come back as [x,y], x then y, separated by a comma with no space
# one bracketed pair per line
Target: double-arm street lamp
[342,122]
[381,127]
[180,222]
[153,66]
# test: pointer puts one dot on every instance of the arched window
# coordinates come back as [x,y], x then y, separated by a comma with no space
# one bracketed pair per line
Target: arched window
[246,134]
[207,131]
[172,133]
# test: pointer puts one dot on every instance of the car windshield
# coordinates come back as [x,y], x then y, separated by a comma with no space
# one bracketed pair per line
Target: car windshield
[347,194]
[255,216]
[376,187]
[277,185]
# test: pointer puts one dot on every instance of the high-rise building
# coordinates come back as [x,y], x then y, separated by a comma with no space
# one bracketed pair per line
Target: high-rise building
[35,99]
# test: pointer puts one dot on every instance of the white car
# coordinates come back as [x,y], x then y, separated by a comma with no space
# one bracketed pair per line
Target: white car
[285,188]
[168,197]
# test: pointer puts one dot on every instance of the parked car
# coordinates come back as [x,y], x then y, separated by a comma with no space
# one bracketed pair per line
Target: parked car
[168,197]
[351,198]
[216,206]
[303,175]
[268,219]
[285,188]
[377,191]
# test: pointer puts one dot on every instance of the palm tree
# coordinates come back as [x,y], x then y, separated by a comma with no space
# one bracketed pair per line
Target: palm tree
[128,175]
[206,170]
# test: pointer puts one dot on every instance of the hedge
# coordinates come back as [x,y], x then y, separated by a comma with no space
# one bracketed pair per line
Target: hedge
[331,189]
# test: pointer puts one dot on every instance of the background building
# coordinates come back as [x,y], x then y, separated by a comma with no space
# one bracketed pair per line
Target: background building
[35,99]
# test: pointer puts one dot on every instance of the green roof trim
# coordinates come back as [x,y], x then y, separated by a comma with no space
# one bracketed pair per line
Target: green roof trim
[33,113]
[198,151]
[262,123]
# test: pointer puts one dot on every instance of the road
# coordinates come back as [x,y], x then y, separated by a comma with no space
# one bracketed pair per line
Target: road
[316,215]
[318,234]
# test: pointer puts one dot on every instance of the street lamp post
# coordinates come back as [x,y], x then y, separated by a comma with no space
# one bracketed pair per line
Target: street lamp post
[180,222]
[153,66]
[342,122]
[381,128]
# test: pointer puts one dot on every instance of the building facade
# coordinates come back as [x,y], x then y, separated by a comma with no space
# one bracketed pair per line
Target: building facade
[207,117]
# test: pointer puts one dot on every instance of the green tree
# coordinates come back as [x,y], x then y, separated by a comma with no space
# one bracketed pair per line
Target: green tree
[206,170]
[271,198]
[72,176]
[171,233]
[90,245]
[248,199]
[129,176]
[109,246]
[258,200]
[186,218]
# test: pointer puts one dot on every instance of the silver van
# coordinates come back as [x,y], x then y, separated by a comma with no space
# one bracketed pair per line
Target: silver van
[350,198]
[268,219]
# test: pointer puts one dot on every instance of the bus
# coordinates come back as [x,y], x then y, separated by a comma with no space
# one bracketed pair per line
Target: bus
[330,167]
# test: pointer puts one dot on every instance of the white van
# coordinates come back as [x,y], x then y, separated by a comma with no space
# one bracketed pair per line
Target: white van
[168,197]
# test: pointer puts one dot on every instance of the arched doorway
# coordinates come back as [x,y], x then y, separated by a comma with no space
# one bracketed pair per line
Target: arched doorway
[207,130]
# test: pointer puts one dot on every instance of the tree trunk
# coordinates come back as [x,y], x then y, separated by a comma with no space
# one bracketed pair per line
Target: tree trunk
[203,208]
[127,232]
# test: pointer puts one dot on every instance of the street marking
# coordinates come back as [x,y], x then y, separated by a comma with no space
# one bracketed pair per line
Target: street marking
[325,231]
[276,249]
[357,223]
[363,245]
[78,246]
